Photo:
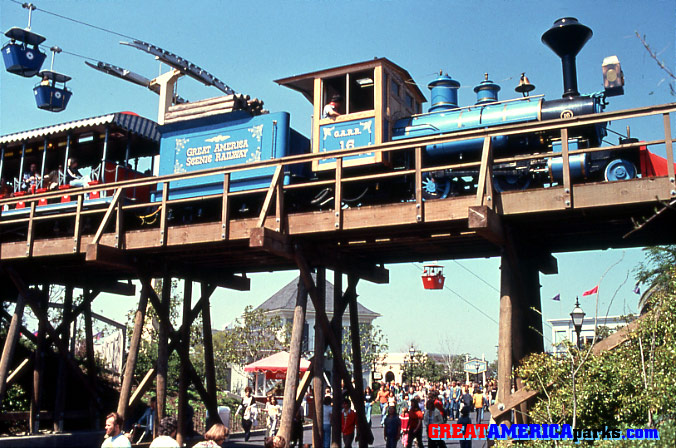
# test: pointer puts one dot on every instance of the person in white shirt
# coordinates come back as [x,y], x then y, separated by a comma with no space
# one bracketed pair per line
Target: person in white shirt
[331,110]
[166,439]
[115,438]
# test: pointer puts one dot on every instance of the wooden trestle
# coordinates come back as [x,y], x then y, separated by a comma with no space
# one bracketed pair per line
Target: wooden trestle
[524,228]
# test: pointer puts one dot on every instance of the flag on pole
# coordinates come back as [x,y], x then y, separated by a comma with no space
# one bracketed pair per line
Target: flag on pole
[557,297]
[637,290]
[594,290]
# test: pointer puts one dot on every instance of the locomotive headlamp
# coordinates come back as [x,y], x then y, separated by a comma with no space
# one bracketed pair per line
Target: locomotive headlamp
[613,78]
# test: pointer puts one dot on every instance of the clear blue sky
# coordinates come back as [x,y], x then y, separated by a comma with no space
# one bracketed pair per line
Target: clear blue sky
[248,44]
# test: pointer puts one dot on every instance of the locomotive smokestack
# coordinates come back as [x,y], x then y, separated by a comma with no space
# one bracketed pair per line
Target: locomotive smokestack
[566,38]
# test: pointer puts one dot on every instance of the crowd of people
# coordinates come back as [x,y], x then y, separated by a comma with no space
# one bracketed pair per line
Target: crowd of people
[406,411]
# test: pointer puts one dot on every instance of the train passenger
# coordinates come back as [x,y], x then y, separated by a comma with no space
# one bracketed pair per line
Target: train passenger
[53,178]
[73,176]
[331,110]
[31,178]
[5,189]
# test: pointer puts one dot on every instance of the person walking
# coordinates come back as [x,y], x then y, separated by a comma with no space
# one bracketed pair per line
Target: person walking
[328,408]
[466,400]
[392,428]
[464,420]
[368,403]
[274,411]
[478,399]
[349,421]
[432,417]
[404,418]
[248,411]
[415,424]
[456,393]
[383,395]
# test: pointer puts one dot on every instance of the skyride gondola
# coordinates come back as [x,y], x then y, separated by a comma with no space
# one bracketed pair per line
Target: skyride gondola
[22,53]
[51,93]
[22,56]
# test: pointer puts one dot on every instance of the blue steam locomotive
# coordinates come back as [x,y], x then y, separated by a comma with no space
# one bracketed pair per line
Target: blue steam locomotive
[374,102]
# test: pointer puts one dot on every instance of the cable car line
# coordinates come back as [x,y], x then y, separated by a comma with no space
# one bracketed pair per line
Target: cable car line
[77,21]
[475,275]
[465,300]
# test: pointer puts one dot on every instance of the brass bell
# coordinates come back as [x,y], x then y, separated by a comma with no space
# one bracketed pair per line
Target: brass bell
[524,86]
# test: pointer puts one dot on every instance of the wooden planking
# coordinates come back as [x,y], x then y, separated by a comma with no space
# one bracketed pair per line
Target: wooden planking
[379,216]
[635,191]
[621,192]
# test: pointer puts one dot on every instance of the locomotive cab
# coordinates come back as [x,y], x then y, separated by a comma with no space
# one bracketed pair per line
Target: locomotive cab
[367,97]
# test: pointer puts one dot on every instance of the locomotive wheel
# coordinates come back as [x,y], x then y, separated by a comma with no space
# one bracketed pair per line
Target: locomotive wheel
[620,169]
[436,188]
[511,182]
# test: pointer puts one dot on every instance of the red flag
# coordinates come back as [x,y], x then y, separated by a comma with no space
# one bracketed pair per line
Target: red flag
[594,290]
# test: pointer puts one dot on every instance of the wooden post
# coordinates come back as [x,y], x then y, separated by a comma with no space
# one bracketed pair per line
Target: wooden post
[505,330]
[10,344]
[362,424]
[132,356]
[209,365]
[163,349]
[291,385]
[38,367]
[333,342]
[61,348]
[62,377]
[318,364]
[337,330]
[183,377]
[91,361]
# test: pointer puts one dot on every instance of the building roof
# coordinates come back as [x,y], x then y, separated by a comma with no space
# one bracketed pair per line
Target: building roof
[127,121]
[285,299]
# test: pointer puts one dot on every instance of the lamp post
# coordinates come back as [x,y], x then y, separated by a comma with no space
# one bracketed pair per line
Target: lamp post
[411,352]
[577,315]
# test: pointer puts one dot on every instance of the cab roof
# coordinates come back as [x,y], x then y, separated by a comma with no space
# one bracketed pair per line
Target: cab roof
[305,83]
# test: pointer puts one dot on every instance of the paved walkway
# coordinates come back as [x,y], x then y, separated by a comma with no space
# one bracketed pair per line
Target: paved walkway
[256,440]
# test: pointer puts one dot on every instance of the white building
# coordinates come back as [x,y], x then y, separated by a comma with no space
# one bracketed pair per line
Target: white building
[393,366]
[563,329]
[283,302]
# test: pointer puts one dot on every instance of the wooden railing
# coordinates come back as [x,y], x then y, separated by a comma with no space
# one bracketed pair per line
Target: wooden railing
[484,195]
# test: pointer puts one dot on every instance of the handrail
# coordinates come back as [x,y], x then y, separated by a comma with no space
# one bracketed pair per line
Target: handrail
[511,129]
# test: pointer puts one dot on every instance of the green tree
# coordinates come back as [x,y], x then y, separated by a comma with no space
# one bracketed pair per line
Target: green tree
[655,270]
[253,336]
[631,386]
[373,345]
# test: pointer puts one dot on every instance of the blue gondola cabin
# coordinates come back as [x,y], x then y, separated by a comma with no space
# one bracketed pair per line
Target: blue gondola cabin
[21,54]
[51,93]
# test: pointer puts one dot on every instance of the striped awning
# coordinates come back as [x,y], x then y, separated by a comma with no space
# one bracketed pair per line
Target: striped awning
[126,121]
